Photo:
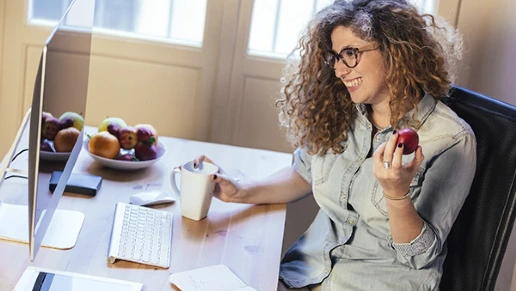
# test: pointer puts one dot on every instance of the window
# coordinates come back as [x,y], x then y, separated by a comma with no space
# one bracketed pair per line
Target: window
[276,24]
[175,21]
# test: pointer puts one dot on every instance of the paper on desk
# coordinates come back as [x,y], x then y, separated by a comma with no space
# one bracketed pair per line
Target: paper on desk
[212,278]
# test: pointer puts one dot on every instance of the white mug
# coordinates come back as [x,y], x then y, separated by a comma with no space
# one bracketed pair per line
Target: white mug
[196,188]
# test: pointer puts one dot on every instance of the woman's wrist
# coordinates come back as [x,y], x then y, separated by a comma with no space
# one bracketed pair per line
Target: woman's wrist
[245,193]
[399,205]
[397,196]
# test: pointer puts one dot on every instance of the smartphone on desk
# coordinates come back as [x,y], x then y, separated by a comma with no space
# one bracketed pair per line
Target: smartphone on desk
[77,183]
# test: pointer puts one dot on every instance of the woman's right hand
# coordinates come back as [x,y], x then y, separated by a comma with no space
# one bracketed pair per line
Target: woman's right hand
[226,188]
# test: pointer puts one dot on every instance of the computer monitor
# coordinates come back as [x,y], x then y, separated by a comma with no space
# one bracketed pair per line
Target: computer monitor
[61,86]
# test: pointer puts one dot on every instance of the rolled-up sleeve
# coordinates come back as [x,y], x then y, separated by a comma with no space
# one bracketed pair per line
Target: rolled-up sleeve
[444,189]
[303,164]
[418,245]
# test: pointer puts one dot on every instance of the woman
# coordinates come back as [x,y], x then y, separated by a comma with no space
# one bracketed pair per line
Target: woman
[369,68]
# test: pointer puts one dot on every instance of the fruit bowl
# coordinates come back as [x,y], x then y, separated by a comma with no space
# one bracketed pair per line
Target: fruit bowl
[126,165]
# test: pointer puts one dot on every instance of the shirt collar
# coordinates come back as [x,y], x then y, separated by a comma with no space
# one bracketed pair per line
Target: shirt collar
[424,108]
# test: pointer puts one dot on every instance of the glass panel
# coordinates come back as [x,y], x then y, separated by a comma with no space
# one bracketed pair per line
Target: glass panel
[428,6]
[115,14]
[263,25]
[294,15]
[188,20]
[159,13]
[49,9]
[166,20]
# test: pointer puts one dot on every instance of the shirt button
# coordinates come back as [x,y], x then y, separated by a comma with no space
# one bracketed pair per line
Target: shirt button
[326,271]
[343,196]
[351,221]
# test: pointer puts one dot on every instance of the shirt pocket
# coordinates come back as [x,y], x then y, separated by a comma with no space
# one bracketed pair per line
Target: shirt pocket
[321,167]
[378,199]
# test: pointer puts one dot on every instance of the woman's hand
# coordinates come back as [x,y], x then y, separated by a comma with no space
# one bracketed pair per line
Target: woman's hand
[226,189]
[394,177]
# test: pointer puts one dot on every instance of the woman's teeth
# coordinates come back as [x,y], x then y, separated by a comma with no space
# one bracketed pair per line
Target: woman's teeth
[353,83]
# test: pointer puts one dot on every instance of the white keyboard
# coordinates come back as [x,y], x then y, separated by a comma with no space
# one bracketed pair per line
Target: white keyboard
[142,235]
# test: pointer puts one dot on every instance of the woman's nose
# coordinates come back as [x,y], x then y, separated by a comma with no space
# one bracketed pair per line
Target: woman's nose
[341,69]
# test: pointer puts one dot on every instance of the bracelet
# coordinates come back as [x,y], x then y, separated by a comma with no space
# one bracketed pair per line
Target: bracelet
[396,198]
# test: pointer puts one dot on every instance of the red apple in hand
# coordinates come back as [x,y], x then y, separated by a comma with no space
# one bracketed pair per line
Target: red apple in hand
[410,140]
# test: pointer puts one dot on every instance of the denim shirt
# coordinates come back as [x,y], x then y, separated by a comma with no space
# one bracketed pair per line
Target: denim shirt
[349,246]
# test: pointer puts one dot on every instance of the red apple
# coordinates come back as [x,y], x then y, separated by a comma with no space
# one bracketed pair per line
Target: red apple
[128,138]
[45,115]
[50,128]
[150,128]
[66,122]
[146,135]
[114,129]
[145,152]
[46,147]
[410,140]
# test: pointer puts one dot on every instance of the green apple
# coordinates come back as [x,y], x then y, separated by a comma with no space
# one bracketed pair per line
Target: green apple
[115,120]
[78,120]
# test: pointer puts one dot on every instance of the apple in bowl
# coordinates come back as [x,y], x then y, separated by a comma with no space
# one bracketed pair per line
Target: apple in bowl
[128,137]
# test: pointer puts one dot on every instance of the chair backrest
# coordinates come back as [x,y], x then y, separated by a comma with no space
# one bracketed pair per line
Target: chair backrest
[479,237]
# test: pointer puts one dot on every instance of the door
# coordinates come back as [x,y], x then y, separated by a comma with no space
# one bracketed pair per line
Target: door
[168,85]
[246,115]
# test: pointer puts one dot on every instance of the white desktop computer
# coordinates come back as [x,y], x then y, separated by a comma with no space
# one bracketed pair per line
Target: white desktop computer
[61,86]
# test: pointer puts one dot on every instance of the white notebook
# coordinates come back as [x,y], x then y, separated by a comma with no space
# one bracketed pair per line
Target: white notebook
[34,278]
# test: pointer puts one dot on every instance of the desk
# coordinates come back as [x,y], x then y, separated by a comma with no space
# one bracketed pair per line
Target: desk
[246,238]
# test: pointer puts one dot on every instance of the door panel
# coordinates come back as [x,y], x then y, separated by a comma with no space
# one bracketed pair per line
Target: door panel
[251,118]
[257,120]
[163,95]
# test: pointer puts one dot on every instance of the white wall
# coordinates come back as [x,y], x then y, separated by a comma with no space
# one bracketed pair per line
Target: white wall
[489,29]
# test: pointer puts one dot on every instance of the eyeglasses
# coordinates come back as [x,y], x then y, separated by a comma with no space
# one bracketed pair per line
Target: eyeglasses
[348,55]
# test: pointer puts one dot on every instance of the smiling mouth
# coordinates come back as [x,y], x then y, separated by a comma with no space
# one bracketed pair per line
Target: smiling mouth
[353,83]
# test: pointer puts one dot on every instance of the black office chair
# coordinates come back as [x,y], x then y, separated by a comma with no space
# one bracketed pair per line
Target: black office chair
[479,237]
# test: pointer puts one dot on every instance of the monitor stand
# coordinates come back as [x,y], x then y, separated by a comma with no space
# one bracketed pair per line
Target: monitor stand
[62,233]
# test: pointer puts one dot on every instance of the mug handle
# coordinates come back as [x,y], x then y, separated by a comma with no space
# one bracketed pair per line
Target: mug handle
[175,189]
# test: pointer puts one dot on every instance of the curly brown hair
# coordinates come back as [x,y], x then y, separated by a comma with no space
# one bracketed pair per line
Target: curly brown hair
[418,50]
